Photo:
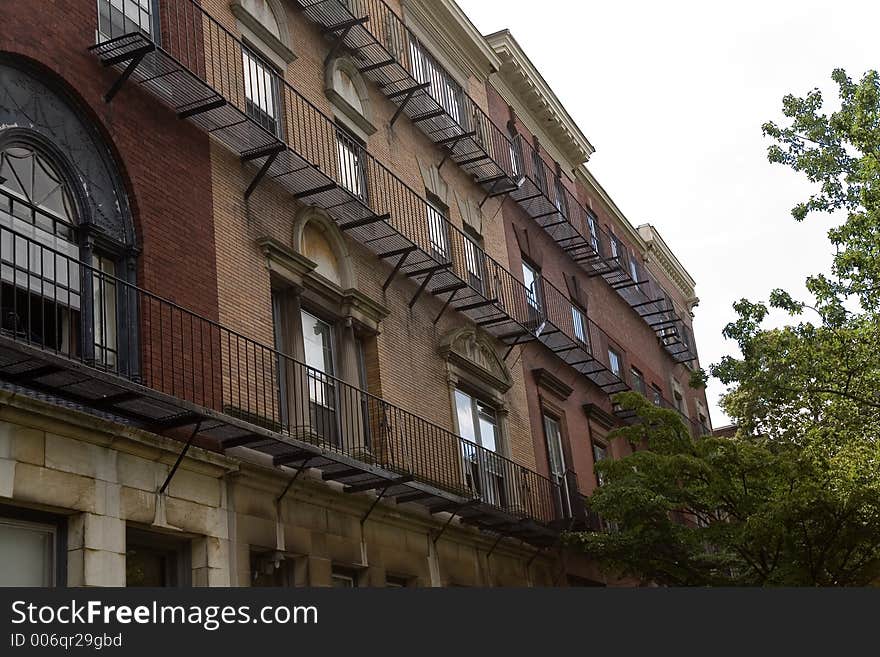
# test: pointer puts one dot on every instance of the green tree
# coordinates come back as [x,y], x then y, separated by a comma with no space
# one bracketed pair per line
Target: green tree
[794,497]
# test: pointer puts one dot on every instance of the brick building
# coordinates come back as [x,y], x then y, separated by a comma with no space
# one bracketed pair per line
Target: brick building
[312,292]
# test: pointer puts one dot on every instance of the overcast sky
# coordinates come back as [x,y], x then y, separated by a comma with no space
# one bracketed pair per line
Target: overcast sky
[673,95]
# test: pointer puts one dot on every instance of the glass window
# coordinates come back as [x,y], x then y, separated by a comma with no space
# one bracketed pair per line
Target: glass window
[27,554]
[155,560]
[615,247]
[614,361]
[474,260]
[119,17]
[438,232]
[559,197]
[634,269]
[581,333]
[594,232]
[350,158]
[104,309]
[343,579]
[532,281]
[656,395]
[638,381]
[318,346]
[261,91]
[478,424]
[600,453]
[444,89]
[33,190]
[515,156]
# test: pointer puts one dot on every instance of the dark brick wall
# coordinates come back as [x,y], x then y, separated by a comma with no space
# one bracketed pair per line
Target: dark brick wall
[164,161]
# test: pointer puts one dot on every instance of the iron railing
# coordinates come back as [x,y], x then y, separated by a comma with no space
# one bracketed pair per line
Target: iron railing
[46,294]
[203,70]
[388,52]
[548,201]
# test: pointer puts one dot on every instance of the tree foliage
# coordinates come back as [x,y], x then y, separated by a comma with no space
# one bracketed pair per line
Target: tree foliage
[794,497]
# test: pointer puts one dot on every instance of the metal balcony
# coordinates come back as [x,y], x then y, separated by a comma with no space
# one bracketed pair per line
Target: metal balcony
[198,381]
[202,72]
[576,230]
[410,76]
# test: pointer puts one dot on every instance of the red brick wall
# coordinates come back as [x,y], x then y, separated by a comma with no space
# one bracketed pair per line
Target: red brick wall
[163,160]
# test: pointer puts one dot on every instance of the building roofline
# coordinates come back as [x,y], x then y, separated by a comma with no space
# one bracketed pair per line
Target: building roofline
[523,77]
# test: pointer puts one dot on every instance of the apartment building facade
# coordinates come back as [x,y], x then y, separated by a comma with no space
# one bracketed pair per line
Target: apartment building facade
[307,293]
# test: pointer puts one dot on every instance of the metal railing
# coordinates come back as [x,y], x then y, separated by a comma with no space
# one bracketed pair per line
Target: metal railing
[199,44]
[397,60]
[46,296]
[547,199]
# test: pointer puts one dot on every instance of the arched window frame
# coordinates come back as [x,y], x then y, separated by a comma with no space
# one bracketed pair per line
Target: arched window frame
[105,303]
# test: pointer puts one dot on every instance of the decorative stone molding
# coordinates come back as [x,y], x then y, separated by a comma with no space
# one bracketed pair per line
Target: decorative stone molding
[551,383]
[659,252]
[604,419]
[295,270]
[358,119]
[523,79]
[265,22]
[473,358]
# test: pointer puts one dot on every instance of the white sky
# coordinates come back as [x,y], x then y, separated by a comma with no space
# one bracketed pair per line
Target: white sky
[673,95]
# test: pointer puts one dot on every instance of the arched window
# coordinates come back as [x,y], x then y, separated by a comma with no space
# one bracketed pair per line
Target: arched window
[47,297]
[34,191]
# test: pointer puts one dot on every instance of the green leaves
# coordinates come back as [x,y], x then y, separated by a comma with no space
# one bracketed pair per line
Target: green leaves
[794,497]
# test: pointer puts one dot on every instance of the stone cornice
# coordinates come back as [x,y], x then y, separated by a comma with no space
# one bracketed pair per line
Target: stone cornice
[452,31]
[552,383]
[604,419]
[522,78]
[659,252]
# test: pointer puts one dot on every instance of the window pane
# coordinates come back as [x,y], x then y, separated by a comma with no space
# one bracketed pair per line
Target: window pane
[465,409]
[614,361]
[531,279]
[437,231]
[261,91]
[351,165]
[580,326]
[104,309]
[26,554]
[488,427]
[554,446]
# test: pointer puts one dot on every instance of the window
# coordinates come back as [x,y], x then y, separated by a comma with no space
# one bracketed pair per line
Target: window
[594,232]
[27,553]
[475,260]
[118,17]
[344,578]
[443,89]
[438,232]
[532,281]
[638,381]
[615,248]
[600,453]
[633,269]
[41,281]
[679,402]
[261,91]
[556,458]
[319,358]
[351,158]
[104,309]
[156,560]
[559,197]
[478,424]
[581,332]
[515,154]
[656,395]
[393,582]
[615,362]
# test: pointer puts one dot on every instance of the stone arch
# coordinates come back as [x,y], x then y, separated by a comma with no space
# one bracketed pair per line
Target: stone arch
[349,94]
[473,356]
[35,110]
[313,232]
[265,21]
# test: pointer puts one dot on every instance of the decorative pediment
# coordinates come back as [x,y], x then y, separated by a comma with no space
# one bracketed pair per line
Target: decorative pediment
[475,356]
